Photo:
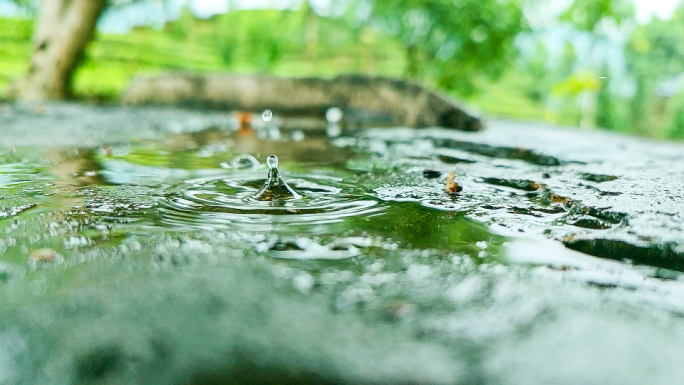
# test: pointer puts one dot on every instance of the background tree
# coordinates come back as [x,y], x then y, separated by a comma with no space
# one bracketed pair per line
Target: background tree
[655,54]
[538,68]
[588,14]
[451,42]
[446,42]
[65,27]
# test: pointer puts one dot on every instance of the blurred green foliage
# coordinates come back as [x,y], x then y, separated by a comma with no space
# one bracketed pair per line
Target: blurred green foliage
[655,55]
[677,128]
[451,42]
[605,110]
[467,48]
[587,14]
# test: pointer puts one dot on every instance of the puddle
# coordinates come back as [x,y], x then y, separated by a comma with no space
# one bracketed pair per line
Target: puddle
[323,203]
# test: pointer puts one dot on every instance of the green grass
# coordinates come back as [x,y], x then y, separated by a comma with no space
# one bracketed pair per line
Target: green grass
[113,60]
[15,49]
[273,42]
[193,45]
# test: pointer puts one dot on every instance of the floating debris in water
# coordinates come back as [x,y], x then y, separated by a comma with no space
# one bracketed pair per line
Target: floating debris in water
[452,186]
[267,116]
[275,188]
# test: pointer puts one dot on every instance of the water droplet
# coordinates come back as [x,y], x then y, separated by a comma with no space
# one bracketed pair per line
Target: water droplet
[275,188]
[244,161]
[272,161]
[267,116]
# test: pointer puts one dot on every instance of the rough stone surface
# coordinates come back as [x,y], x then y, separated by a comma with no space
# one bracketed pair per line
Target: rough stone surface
[559,262]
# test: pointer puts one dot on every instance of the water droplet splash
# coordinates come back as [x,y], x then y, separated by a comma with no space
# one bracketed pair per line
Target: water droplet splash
[275,188]
[267,116]
[245,200]
[272,161]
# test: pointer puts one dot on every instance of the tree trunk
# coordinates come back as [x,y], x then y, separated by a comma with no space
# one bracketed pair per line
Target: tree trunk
[364,99]
[64,29]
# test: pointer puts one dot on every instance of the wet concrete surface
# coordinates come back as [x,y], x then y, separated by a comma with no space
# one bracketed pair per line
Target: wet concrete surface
[558,263]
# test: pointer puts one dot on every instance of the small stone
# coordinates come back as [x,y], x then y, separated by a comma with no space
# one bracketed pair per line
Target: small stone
[431,174]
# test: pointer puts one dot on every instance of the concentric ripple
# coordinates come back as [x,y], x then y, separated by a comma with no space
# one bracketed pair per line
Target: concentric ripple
[229,202]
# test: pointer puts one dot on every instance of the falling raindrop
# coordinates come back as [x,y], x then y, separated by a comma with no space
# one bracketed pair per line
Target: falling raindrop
[267,116]
[272,161]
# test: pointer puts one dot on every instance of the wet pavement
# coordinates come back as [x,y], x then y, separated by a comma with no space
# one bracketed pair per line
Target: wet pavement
[147,245]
